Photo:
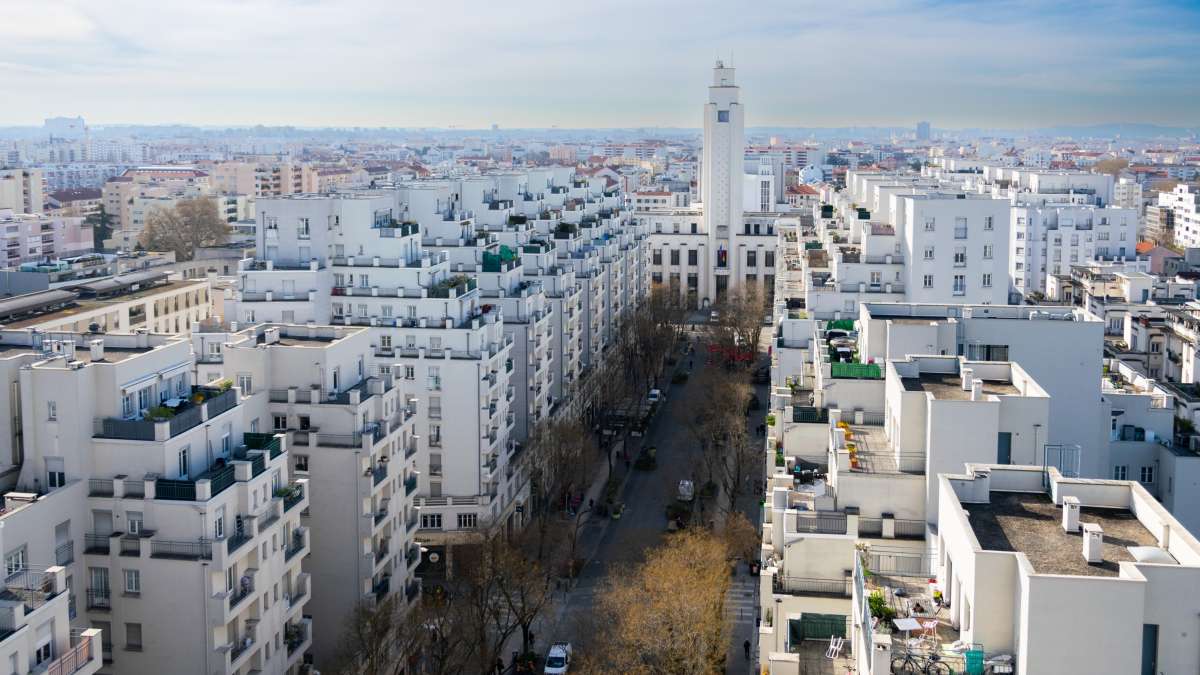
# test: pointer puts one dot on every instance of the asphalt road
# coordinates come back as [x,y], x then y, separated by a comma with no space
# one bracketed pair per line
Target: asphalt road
[614,544]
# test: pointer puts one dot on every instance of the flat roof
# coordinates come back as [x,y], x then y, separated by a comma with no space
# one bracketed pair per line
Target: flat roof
[1030,523]
[948,386]
[84,305]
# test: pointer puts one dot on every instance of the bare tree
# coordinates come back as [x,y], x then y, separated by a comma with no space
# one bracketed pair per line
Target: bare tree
[379,638]
[729,454]
[525,586]
[560,457]
[190,224]
[667,614]
[1112,166]
[740,321]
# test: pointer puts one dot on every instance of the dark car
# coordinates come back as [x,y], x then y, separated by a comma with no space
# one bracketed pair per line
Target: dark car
[762,375]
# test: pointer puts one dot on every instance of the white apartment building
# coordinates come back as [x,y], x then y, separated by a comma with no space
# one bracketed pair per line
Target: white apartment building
[1068,575]
[1048,240]
[1184,203]
[1127,194]
[22,190]
[141,480]
[125,302]
[1019,334]
[351,435]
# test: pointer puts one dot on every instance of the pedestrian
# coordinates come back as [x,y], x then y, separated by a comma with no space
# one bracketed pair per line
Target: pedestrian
[746,647]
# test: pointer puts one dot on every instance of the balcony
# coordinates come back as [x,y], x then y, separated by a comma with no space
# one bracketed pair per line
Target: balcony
[378,474]
[412,590]
[830,588]
[412,555]
[296,545]
[243,590]
[219,477]
[100,487]
[64,554]
[83,653]
[410,484]
[236,541]
[292,495]
[162,422]
[99,600]
[296,635]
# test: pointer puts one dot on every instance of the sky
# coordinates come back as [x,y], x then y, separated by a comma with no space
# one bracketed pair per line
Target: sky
[605,63]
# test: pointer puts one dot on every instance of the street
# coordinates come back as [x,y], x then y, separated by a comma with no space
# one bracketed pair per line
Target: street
[612,544]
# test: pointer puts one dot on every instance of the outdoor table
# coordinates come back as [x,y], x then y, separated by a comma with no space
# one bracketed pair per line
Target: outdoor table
[907,624]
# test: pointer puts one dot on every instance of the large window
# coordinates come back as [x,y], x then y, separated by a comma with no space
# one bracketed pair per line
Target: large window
[722,115]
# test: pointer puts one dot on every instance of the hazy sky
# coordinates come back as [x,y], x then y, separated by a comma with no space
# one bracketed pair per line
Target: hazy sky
[604,63]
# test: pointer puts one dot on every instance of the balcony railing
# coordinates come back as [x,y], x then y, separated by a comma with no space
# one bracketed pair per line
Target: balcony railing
[100,487]
[96,543]
[296,546]
[821,522]
[378,474]
[294,496]
[240,593]
[64,554]
[837,588]
[220,478]
[236,541]
[410,485]
[182,418]
[99,599]
[74,660]
[196,549]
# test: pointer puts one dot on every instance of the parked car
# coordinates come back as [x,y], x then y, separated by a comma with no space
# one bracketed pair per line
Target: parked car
[687,490]
[714,316]
[558,659]
[762,375]
[654,396]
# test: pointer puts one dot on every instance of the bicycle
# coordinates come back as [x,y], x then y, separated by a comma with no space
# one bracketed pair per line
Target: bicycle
[918,663]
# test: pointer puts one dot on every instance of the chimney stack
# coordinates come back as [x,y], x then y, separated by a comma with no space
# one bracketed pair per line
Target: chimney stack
[97,348]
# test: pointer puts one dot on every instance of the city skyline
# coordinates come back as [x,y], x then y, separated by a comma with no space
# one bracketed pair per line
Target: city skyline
[959,64]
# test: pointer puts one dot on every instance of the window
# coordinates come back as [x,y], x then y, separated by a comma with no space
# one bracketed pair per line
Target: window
[751,259]
[51,411]
[435,435]
[244,383]
[1146,475]
[302,231]
[694,231]
[431,521]
[960,284]
[133,582]
[928,281]
[722,115]
[1121,472]
[656,257]
[987,222]
[133,636]
[987,281]
[929,253]
[133,520]
[184,465]
[1155,347]
[960,256]
[987,251]
[434,379]
[279,422]
[467,521]
[301,463]
[929,224]
[385,341]
[693,258]
[410,373]
[960,228]
[674,256]
[769,259]
[15,562]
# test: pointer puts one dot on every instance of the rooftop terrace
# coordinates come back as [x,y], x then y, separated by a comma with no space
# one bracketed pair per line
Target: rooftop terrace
[1031,523]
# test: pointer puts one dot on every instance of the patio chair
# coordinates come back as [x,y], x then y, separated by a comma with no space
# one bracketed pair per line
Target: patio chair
[835,647]
[929,628]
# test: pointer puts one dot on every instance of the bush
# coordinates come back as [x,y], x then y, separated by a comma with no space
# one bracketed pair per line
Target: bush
[771,419]
[225,385]
[880,609]
[160,413]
